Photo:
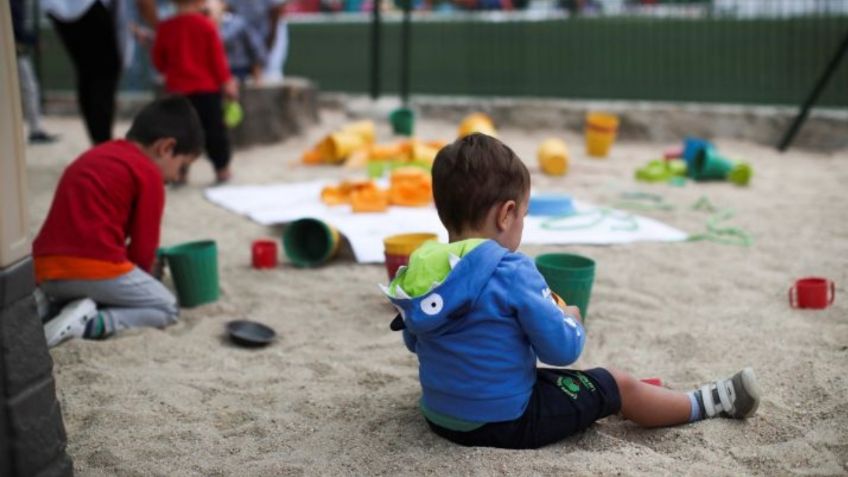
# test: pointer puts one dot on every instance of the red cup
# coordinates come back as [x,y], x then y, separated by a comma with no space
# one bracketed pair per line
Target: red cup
[393,262]
[673,153]
[812,292]
[264,253]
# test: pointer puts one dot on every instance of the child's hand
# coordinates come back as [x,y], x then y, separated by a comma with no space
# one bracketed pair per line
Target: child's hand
[256,74]
[231,90]
[158,268]
[143,35]
[573,311]
[569,310]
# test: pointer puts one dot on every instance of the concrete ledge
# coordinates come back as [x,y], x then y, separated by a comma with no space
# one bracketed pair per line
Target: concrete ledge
[31,429]
[36,422]
[63,466]
[64,103]
[824,130]
[273,111]
[16,282]
[32,433]
[23,347]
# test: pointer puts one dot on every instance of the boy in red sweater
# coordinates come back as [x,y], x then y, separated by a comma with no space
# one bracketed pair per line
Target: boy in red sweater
[98,243]
[190,54]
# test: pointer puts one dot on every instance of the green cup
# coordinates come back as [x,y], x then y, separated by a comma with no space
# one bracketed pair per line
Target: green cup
[233,114]
[569,276]
[194,268]
[377,169]
[740,174]
[310,242]
[708,165]
[403,121]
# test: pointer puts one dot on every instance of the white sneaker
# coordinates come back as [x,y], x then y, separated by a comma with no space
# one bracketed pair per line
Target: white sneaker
[70,322]
[737,396]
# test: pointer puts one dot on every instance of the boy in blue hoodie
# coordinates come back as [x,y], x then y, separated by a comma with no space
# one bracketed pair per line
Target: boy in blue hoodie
[479,315]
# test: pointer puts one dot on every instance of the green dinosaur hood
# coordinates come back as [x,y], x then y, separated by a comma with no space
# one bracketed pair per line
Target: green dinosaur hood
[429,265]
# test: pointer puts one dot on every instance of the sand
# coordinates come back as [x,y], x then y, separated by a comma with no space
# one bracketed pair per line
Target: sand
[337,393]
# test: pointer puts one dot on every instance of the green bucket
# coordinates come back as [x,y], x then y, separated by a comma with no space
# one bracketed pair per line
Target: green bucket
[310,242]
[194,268]
[403,121]
[708,165]
[570,277]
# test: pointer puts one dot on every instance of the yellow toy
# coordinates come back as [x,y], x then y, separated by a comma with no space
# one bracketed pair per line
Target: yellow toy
[477,122]
[553,157]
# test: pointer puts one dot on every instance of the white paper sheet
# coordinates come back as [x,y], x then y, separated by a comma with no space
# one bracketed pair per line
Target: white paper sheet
[282,203]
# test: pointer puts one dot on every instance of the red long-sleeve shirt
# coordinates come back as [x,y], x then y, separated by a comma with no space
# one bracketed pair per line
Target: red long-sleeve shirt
[108,207]
[188,50]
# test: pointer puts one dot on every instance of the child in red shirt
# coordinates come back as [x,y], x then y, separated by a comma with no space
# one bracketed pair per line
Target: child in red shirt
[98,243]
[188,51]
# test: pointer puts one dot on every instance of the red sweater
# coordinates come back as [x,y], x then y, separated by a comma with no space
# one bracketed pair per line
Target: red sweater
[112,194]
[189,52]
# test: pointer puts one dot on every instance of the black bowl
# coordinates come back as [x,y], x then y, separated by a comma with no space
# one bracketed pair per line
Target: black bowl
[250,333]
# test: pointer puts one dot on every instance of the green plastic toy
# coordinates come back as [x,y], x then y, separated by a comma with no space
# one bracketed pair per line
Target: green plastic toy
[233,114]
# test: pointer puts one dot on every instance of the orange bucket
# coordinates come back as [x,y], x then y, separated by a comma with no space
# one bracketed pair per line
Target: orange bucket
[336,147]
[398,248]
[601,130]
[405,244]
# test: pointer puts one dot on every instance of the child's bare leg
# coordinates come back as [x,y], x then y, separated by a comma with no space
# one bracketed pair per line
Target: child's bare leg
[654,406]
[649,405]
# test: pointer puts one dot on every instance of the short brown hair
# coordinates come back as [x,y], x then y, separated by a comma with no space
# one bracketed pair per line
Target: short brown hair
[472,175]
[169,116]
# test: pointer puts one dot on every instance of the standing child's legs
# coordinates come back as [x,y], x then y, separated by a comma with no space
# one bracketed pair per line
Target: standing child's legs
[211,112]
[132,300]
[655,406]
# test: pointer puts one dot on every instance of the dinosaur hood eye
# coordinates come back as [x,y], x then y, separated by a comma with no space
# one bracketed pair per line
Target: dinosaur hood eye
[432,304]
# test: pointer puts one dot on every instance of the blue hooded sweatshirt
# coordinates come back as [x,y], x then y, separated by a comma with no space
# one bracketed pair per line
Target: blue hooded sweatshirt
[479,331]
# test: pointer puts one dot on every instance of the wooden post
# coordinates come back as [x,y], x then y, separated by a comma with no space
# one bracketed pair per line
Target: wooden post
[14,215]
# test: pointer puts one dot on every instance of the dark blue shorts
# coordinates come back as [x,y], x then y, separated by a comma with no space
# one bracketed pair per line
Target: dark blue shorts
[563,403]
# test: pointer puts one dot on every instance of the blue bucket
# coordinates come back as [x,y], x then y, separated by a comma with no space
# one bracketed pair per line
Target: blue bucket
[551,205]
[691,147]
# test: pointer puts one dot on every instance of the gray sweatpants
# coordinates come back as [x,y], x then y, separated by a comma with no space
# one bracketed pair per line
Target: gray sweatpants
[132,300]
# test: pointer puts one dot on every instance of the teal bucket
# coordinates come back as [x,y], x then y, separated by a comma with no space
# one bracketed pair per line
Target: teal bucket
[569,276]
[194,268]
[708,165]
[403,121]
[310,242]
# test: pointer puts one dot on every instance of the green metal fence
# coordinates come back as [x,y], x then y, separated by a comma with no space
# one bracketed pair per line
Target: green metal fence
[723,60]
[754,61]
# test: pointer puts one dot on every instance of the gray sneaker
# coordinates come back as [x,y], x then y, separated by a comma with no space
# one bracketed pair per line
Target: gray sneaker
[737,396]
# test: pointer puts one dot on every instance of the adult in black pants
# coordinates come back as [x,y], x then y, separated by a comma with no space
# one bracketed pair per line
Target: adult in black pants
[91,41]
[91,35]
